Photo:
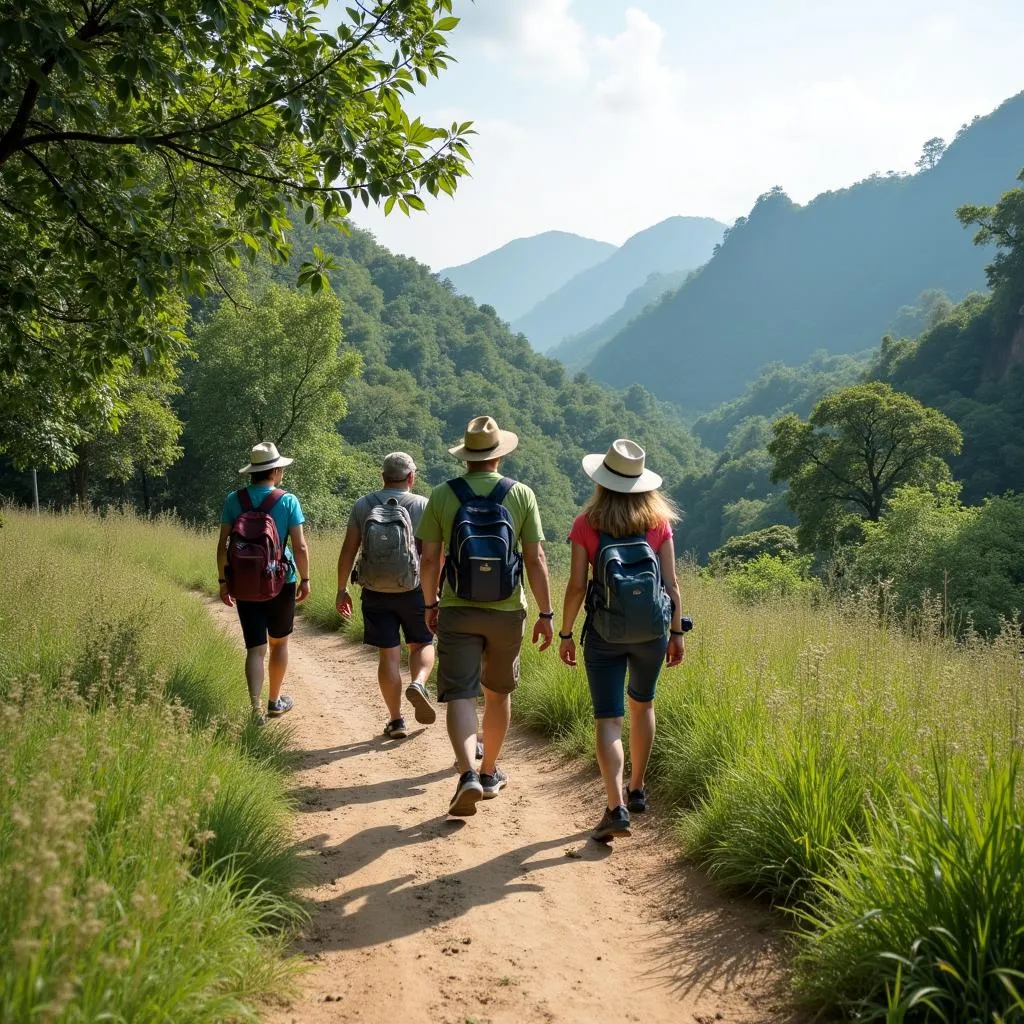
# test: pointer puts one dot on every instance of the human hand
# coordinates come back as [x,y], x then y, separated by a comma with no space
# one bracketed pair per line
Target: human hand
[303,591]
[430,618]
[343,602]
[225,596]
[543,631]
[676,651]
[567,651]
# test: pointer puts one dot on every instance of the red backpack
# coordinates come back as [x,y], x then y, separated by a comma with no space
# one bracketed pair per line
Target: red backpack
[257,564]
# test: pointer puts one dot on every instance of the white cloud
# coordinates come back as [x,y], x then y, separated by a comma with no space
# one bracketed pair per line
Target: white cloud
[539,36]
[636,79]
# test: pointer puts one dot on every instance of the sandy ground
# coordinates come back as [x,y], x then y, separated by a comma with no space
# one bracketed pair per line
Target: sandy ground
[512,915]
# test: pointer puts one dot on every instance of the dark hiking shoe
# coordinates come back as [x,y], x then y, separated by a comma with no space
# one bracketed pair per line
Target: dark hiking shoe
[279,707]
[396,730]
[614,823]
[494,783]
[467,795]
[416,695]
[636,800]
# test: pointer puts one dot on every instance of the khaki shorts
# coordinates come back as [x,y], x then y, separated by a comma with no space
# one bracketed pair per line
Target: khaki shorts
[477,646]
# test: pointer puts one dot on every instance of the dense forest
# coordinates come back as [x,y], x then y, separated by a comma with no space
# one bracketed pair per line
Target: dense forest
[834,274]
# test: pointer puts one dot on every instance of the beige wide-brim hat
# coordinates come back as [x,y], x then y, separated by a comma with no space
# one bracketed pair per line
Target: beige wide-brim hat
[265,456]
[484,440]
[622,468]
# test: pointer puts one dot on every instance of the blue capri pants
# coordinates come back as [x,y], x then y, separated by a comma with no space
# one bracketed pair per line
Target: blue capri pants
[606,666]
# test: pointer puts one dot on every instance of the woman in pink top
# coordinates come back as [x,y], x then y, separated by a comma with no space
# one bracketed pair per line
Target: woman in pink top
[626,504]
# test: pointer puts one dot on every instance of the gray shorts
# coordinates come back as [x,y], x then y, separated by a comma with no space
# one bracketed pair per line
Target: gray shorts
[477,646]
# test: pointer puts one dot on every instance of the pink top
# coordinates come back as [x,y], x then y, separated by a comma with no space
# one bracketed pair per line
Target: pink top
[587,537]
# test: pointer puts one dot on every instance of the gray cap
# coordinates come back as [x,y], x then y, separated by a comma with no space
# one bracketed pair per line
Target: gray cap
[397,466]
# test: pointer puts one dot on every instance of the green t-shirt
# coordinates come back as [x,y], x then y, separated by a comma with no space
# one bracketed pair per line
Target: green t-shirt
[438,516]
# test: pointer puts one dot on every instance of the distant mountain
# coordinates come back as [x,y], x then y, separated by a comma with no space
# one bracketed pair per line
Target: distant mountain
[577,351]
[679,243]
[789,280]
[514,278]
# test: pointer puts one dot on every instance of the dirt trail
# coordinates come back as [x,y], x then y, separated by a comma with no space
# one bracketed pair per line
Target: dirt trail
[509,916]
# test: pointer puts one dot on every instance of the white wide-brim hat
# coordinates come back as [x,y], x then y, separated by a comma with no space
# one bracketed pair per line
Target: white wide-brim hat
[265,456]
[622,468]
[484,440]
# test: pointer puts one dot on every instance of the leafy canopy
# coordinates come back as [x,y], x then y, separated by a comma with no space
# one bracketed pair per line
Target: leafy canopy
[145,146]
[857,447]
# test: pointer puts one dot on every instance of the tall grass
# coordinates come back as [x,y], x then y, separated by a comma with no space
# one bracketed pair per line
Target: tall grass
[144,824]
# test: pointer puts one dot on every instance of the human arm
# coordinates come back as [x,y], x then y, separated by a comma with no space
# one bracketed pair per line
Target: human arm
[300,552]
[575,592]
[536,565]
[346,559]
[676,645]
[430,580]
[222,564]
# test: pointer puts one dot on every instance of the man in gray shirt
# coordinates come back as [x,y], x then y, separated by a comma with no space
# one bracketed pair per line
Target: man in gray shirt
[381,532]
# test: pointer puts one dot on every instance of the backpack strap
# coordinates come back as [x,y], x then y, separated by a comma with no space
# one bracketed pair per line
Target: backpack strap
[462,490]
[500,491]
[242,494]
[271,499]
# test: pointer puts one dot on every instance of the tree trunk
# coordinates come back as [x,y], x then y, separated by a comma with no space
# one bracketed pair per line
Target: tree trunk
[80,475]
[145,490]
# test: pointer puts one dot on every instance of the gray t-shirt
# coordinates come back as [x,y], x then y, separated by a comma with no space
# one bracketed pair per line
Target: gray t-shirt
[413,503]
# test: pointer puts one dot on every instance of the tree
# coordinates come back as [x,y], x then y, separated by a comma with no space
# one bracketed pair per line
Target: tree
[143,147]
[857,447]
[268,371]
[931,153]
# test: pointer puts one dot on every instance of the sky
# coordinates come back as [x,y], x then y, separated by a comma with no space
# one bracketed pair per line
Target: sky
[602,117]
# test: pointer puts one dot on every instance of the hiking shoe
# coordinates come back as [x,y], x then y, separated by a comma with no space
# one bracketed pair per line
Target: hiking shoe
[416,695]
[612,824]
[279,707]
[636,800]
[467,795]
[396,730]
[494,783]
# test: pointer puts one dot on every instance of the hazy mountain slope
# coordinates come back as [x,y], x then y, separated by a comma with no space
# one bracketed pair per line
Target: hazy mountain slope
[789,280]
[679,243]
[577,351]
[514,278]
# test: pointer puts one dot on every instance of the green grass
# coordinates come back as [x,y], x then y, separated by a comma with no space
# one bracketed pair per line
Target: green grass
[144,823]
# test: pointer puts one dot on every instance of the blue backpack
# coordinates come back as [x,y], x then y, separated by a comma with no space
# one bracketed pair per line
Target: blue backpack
[627,601]
[483,561]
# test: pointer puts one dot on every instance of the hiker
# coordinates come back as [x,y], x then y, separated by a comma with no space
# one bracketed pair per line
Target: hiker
[381,532]
[490,526]
[633,620]
[261,543]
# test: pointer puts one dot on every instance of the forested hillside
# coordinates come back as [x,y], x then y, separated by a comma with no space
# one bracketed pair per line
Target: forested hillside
[679,243]
[789,280]
[514,278]
[577,351]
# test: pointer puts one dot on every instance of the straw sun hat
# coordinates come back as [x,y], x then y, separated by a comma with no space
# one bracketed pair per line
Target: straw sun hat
[265,456]
[484,440]
[622,468]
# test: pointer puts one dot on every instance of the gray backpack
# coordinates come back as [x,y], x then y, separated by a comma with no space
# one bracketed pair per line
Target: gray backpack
[388,561]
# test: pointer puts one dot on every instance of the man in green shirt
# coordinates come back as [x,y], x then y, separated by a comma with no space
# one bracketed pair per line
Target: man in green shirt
[478,642]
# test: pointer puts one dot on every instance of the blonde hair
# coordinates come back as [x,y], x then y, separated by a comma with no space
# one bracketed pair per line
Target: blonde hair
[628,515]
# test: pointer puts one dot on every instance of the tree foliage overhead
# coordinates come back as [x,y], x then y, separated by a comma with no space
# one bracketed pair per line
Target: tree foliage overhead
[858,446]
[143,147]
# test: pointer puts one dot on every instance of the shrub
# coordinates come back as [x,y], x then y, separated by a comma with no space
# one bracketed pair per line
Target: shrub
[769,577]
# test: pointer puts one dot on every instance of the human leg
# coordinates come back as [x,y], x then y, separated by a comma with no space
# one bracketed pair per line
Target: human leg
[497,716]
[610,758]
[461,721]
[606,675]
[459,650]
[503,640]
[254,659]
[278,665]
[389,679]
[421,662]
[645,664]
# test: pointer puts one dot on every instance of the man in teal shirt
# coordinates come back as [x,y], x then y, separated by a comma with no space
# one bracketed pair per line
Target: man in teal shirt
[478,643]
[273,619]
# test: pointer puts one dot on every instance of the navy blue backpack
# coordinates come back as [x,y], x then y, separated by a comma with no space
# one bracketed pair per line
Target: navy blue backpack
[483,562]
[627,601]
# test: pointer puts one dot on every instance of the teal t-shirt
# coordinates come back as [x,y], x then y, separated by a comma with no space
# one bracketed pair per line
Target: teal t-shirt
[286,514]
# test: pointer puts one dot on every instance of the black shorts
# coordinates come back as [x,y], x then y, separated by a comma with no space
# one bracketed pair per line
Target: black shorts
[385,614]
[276,617]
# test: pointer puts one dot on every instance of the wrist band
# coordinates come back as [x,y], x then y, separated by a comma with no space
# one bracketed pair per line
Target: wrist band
[431,607]
[565,636]
[678,632]
[545,615]
[305,579]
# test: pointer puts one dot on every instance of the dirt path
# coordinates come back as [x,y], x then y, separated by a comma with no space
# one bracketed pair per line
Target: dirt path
[509,916]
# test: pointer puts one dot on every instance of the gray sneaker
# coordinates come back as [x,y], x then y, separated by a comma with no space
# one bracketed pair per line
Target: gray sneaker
[493,783]
[395,729]
[279,707]
[416,695]
[467,795]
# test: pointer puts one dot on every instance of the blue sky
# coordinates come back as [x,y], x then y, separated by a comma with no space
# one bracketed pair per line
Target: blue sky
[603,117]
